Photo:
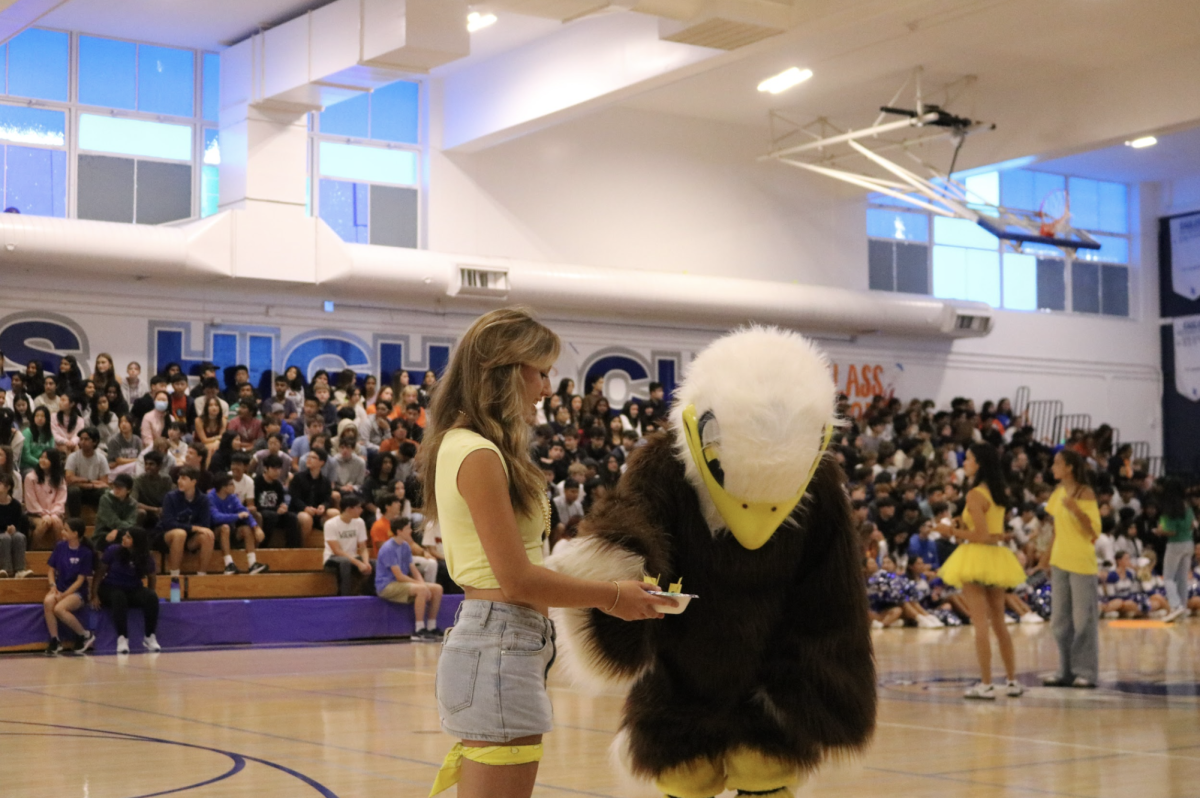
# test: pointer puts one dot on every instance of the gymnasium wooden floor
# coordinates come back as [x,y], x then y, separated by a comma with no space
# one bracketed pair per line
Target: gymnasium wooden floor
[359,721]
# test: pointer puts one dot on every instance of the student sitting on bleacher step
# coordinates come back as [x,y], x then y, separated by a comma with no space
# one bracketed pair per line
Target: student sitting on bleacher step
[230,518]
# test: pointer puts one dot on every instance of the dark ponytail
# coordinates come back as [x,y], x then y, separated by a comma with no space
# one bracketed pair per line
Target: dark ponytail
[139,555]
[1174,500]
[1078,465]
[990,473]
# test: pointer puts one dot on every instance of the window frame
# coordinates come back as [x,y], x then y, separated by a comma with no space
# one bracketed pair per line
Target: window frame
[419,149]
[1069,260]
[74,109]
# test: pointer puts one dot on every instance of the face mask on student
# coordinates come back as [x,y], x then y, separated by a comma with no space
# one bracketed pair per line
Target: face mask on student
[160,406]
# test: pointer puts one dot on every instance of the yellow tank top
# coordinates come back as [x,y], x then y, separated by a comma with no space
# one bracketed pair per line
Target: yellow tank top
[994,514]
[465,558]
[1073,549]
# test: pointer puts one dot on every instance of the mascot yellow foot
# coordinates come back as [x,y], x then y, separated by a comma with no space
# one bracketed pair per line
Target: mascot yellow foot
[745,770]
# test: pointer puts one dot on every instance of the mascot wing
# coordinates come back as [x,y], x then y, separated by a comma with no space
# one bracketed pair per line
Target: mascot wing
[623,537]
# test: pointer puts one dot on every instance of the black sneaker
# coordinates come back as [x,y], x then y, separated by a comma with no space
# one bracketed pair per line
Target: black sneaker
[435,634]
[53,648]
[83,645]
[424,636]
[259,568]
[231,569]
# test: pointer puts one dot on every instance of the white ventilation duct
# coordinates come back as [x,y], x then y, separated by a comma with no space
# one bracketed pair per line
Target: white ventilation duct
[345,48]
[208,251]
[58,246]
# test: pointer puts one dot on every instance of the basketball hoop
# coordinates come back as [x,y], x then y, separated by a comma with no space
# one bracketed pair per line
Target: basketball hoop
[1054,214]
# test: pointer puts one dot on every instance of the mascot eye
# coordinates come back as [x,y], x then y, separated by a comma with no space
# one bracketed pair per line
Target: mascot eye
[709,432]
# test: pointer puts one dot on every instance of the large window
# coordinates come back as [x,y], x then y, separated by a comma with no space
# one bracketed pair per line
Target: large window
[916,252]
[367,158]
[116,137]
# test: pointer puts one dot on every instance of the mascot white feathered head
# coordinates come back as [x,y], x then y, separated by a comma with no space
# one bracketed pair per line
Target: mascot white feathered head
[751,421]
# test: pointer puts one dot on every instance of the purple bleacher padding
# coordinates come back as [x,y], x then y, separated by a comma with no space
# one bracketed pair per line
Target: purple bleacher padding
[193,624]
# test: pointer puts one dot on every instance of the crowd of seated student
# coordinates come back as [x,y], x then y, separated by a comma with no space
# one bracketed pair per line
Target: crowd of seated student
[906,484]
[193,468]
[234,468]
[581,445]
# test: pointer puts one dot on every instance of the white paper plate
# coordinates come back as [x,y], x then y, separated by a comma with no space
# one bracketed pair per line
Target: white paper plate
[681,600]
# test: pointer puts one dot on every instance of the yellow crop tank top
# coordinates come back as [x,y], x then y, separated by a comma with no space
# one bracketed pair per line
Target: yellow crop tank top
[465,558]
[994,515]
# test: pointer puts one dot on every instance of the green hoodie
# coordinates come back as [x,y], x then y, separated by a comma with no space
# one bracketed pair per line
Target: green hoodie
[113,514]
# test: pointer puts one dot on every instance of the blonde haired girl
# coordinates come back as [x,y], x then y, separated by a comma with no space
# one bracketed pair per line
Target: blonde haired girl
[489,500]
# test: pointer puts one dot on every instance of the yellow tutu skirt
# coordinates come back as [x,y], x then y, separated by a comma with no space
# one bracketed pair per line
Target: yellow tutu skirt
[984,564]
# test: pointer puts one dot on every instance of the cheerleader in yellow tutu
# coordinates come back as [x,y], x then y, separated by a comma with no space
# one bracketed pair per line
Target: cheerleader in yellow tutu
[983,568]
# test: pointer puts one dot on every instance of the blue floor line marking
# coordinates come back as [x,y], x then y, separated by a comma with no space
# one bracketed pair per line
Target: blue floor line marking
[239,764]
[1029,764]
[239,760]
[187,675]
[1014,787]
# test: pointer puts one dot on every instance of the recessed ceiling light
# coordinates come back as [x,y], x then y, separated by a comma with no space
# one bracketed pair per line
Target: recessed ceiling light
[1144,141]
[477,21]
[785,80]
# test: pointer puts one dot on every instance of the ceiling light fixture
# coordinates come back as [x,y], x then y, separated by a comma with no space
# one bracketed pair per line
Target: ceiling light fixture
[477,21]
[785,80]
[1143,142]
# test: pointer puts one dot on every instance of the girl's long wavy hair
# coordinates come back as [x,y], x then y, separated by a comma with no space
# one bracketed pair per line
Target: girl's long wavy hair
[482,391]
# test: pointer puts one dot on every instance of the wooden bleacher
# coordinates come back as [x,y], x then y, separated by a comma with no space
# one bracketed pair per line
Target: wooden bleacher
[280,561]
[294,573]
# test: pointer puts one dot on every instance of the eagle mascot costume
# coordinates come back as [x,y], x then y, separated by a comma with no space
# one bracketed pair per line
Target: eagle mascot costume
[770,669]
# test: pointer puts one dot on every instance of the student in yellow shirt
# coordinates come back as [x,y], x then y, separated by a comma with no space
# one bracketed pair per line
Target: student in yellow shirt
[489,499]
[1075,611]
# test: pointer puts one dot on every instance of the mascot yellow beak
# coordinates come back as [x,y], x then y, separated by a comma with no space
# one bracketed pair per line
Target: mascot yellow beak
[752,523]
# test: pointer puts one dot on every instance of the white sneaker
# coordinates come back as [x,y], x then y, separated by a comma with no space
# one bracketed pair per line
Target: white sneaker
[1032,617]
[23,574]
[1112,614]
[3,574]
[122,645]
[1009,619]
[1013,689]
[1158,615]
[1174,615]
[876,624]
[929,622]
[896,624]
[150,642]
[981,692]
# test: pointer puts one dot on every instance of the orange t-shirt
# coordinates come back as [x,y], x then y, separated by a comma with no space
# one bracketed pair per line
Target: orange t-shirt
[381,530]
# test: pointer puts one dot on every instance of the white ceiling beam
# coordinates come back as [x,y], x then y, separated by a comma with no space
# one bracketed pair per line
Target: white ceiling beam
[17,15]
[587,64]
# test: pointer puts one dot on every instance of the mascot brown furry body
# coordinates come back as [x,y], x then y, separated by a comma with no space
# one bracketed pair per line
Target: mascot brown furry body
[774,657]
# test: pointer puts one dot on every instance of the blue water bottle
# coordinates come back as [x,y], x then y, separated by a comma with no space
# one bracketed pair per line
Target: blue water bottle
[175,591]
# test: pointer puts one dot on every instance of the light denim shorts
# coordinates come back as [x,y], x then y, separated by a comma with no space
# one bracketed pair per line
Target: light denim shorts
[491,677]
